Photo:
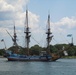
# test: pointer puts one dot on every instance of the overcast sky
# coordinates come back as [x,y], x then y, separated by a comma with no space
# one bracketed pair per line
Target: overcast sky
[62,23]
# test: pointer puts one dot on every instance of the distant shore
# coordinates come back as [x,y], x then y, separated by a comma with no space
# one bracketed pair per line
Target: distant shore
[2,57]
[69,57]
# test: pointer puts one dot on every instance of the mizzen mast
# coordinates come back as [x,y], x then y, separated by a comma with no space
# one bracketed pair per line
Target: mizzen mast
[49,36]
[27,32]
[14,37]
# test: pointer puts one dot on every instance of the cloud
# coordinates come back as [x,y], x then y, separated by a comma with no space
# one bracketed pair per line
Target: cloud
[4,6]
[6,10]
[60,29]
[33,21]
[13,11]
[63,24]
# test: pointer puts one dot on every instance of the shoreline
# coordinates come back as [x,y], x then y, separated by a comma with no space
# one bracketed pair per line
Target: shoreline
[64,57]
[2,57]
[69,57]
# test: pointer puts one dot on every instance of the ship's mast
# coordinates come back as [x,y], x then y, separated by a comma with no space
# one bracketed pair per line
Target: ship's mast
[27,32]
[14,37]
[49,36]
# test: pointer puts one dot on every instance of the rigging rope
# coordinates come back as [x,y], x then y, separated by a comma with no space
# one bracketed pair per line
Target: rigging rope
[35,40]
[55,40]
[64,37]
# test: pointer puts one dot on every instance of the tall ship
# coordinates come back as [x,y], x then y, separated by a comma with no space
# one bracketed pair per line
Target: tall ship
[43,56]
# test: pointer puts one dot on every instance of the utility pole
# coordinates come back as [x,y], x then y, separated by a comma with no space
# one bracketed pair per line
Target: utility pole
[72,41]
[70,35]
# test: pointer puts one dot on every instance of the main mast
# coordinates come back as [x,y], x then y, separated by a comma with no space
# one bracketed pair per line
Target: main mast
[49,36]
[27,32]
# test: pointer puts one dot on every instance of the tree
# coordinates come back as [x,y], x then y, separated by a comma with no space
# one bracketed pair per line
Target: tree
[2,51]
[35,50]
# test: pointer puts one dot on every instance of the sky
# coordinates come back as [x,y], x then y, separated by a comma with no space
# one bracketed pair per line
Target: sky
[62,22]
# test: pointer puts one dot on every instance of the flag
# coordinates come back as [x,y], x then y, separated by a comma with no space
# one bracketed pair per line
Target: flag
[2,40]
[69,35]
[65,53]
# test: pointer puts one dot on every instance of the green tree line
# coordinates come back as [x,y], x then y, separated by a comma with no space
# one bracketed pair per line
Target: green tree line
[36,49]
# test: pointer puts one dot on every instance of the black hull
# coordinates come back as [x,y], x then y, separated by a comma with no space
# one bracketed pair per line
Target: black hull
[12,59]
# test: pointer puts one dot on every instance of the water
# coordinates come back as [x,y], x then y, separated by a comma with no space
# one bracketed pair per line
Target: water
[60,67]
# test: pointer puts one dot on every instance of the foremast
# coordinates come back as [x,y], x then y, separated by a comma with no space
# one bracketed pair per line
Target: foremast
[27,32]
[49,36]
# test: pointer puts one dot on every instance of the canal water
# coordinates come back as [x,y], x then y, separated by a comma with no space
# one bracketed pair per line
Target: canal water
[60,67]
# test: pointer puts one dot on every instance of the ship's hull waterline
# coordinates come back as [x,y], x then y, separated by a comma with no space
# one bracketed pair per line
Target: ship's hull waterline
[35,58]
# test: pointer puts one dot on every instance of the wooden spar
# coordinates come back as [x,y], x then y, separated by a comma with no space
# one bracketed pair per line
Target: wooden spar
[27,37]
[55,56]
[15,36]
[49,38]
